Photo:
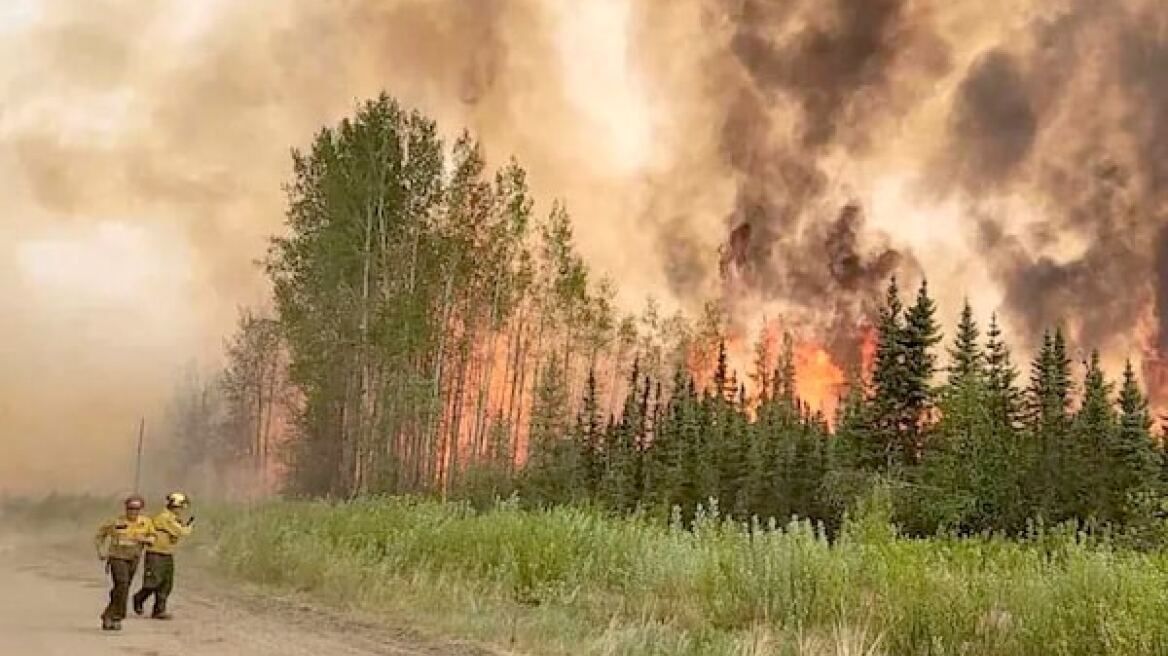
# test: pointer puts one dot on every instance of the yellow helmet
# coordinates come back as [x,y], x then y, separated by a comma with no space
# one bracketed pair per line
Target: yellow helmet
[177,500]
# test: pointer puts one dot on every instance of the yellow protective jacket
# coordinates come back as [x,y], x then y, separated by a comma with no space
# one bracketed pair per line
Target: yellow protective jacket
[124,538]
[168,531]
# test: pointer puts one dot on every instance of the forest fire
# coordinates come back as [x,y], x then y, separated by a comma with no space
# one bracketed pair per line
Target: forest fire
[1155,370]
[819,381]
[821,376]
[1154,364]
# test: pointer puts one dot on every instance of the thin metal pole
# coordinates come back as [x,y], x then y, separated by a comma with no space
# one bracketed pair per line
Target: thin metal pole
[138,461]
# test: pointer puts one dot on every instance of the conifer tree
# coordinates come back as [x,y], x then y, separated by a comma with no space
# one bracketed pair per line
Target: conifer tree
[1005,401]
[921,333]
[966,357]
[590,437]
[552,459]
[1083,471]
[620,485]
[888,380]
[1133,452]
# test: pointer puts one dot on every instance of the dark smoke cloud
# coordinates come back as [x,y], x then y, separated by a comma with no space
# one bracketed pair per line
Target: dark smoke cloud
[802,82]
[847,50]
[994,122]
[1047,137]
[1075,118]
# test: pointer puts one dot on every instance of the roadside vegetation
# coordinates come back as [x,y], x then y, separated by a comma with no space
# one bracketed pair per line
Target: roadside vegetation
[579,581]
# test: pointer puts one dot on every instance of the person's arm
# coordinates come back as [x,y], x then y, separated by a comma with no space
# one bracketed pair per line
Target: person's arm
[185,528]
[99,539]
[171,525]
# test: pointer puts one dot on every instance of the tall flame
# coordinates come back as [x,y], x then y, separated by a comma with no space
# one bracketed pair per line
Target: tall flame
[819,381]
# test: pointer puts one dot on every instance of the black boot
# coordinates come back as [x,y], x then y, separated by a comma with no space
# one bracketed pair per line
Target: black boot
[139,604]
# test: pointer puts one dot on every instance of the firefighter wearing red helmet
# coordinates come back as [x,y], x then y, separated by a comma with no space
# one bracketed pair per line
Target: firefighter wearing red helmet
[120,543]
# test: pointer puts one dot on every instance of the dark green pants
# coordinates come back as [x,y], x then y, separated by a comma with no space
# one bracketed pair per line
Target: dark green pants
[157,580]
[122,574]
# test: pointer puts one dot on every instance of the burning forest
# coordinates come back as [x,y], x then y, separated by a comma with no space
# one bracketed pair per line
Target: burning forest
[766,169]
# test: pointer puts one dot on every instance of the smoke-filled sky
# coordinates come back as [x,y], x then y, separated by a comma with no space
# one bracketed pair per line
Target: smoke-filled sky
[786,155]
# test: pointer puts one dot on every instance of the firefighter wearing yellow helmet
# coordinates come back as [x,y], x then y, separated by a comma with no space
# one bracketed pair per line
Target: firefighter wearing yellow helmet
[119,543]
[158,579]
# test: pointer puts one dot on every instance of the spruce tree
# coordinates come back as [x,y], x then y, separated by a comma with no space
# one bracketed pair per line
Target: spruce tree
[620,484]
[1061,379]
[888,380]
[698,479]
[1133,452]
[1085,472]
[668,449]
[920,334]
[1005,400]
[549,470]
[1047,399]
[1050,381]
[966,359]
[590,437]
[1038,391]
[721,382]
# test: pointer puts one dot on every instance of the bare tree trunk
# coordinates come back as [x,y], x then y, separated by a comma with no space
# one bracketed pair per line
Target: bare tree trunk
[516,352]
[616,360]
[429,454]
[456,416]
[485,380]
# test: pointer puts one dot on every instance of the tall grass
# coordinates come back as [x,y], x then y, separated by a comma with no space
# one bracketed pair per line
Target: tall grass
[574,581]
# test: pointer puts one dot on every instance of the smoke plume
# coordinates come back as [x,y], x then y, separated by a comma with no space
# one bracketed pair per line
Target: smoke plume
[785,156]
[1015,153]
[144,146]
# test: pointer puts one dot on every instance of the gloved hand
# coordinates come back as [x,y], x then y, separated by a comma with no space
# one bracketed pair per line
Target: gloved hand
[191,520]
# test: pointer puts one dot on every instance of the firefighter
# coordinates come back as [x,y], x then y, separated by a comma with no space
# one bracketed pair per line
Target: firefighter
[158,578]
[120,543]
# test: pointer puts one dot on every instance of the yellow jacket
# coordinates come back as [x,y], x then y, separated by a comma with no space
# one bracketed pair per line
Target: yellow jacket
[124,538]
[168,531]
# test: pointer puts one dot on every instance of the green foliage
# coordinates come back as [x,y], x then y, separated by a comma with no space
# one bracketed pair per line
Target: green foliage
[437,330]
[711,589]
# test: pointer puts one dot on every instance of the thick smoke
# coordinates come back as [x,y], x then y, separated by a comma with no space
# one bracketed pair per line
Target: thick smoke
[994,122]
[788,156]
[144,146]
[797,86]
[1016,152]
[1073,116]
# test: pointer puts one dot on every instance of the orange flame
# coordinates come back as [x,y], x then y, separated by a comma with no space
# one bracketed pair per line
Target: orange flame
[818,380]
[1154,367]
[1155,370]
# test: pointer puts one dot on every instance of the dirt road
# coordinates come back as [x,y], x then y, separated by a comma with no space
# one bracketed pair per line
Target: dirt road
[50,600]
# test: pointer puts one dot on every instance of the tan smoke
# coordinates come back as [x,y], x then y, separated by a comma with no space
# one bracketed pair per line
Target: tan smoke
[143,145]
[1012,151]
[788,155]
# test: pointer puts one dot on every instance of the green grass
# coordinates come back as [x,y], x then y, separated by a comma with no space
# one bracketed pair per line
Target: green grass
[573,581]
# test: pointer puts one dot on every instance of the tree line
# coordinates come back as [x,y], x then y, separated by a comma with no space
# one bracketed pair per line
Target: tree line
[429,331]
